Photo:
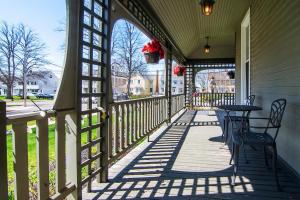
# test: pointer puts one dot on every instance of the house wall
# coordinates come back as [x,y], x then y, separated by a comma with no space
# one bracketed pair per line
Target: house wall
[275,67]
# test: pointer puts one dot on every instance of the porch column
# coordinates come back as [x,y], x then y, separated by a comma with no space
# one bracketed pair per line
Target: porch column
[168,64]
[193,90]
[188,86]
[3,152]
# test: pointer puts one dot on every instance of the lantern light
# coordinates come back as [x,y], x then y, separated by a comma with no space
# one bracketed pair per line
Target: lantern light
[207,6]
[206,47]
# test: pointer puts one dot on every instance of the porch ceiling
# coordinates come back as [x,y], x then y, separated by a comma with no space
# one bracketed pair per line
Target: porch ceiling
[188,27]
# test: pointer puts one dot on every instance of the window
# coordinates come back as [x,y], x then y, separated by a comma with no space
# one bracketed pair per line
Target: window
[139,81]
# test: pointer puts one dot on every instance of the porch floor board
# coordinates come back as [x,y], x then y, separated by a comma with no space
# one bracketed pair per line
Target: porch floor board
[188,160]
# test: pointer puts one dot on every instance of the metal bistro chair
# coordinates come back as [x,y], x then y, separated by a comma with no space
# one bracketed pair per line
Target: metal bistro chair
[263,139]
[233,118]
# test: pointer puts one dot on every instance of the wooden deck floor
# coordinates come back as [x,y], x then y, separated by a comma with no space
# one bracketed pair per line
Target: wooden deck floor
[188,160]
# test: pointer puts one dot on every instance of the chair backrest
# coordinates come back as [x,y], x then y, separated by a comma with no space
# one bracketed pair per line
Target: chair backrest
[276,114]
[277,110]
[250,100]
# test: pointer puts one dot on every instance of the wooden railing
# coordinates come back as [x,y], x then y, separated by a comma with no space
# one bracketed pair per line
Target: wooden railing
[213,99]
[178,103]
[20,155]
[130,122]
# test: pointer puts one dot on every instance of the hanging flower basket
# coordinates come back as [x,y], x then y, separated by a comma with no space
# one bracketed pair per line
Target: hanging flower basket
[152,58]
[231,74]
[153,52]
[179,70]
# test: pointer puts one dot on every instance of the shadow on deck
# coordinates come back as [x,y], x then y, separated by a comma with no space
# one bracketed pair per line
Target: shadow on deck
[188,160]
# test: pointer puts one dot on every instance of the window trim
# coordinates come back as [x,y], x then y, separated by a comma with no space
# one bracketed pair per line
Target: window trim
[245,23]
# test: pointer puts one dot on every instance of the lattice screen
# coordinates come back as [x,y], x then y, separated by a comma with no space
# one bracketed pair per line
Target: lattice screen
[93,88]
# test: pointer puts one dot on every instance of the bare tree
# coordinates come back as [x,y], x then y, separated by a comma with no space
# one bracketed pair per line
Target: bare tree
[31,57]
[127,42]
[202,80]
[9,41]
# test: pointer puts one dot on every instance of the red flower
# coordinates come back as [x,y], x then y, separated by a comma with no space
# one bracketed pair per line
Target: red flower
[179,70]
[154,47]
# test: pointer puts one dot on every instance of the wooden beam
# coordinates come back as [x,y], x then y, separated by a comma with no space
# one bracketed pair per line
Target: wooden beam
[3,152]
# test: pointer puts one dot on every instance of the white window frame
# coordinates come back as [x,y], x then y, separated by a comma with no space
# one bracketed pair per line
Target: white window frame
[245,23]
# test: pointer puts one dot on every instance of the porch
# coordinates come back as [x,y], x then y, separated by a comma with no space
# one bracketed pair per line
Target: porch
[101,147]
[188,160]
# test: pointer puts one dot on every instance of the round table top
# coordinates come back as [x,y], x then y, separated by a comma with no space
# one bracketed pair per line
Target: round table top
[239,107]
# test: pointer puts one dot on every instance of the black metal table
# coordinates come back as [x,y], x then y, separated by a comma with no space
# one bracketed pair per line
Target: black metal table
[245,109]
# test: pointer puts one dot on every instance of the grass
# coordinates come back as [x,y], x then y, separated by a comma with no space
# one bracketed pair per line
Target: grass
[19,98]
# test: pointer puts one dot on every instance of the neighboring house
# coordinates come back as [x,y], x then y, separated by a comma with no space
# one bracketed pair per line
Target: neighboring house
[119,83]
[223,83]
[46,85]
[140,85]
[177,85]
[3,90]
[147,85]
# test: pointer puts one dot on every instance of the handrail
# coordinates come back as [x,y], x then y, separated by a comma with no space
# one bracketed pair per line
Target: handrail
[26,117]
[137,100]
[142,99]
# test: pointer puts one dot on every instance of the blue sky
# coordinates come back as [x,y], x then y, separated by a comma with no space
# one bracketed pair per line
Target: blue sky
[44,17]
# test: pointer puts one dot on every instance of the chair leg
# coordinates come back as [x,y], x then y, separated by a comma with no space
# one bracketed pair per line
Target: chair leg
[275,167]
[236,162]
[226,131]
[223,128]
[266,156]
[245,154]
[232,153]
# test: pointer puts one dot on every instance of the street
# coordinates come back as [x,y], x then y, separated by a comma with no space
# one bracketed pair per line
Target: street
[17,107]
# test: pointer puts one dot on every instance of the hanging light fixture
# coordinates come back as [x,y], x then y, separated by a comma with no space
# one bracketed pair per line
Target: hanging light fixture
[207,6]
[206,47]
